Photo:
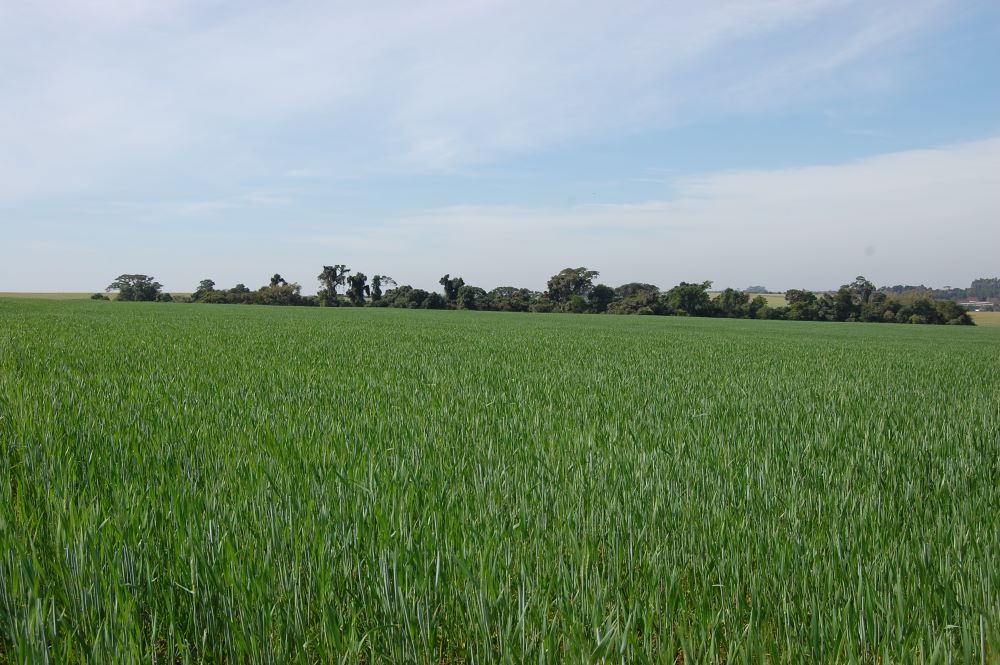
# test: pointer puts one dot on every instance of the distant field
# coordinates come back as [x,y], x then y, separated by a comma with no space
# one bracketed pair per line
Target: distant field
[68,295]
[46,295]
[773,299]
[262,484]
[991,319]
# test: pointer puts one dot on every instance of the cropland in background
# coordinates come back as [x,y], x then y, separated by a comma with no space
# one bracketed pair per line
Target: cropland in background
[64,295]
[773,299]
[47,295]
[232,484]
[989,319]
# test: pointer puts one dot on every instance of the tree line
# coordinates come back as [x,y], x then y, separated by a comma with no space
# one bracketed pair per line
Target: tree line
[571,290]
[982,289]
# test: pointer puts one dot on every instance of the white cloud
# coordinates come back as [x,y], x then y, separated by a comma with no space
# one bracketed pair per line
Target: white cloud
[923,216]
[100,92]
[194,119]
[919,216]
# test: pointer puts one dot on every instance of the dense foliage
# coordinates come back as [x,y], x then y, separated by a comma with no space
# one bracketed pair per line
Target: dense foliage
[138,288]
[182,484]
[278,292]
[573,290]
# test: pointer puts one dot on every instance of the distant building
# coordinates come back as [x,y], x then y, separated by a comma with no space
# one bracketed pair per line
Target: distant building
[979,305]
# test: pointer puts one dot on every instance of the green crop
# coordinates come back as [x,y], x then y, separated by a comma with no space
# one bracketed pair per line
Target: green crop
[248,484]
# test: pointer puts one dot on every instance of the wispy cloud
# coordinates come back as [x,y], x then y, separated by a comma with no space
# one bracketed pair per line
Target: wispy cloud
[917,216]
[103,93]
[254,137]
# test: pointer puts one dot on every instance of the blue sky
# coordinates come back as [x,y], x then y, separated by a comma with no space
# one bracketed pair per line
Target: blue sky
[789,144]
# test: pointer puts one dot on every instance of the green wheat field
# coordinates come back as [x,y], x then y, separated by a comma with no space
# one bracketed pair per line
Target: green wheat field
[236,484]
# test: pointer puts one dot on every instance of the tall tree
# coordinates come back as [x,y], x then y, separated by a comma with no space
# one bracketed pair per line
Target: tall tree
[376,287]
[205,287]
[690,299]
[135,287]
[451,287]
[469,297]
[570,282]
[845,306]
[278,280]
[985,288]
[331,278]
[861,289]
[357,288]
[600,297]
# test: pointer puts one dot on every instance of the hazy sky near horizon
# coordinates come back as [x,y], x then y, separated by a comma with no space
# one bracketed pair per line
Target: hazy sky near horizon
[787,143]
